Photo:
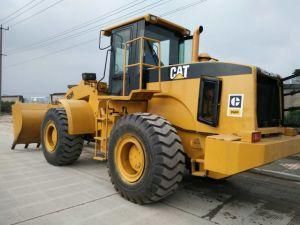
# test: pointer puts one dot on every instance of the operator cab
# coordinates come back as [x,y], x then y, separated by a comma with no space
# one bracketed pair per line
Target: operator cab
[164,44]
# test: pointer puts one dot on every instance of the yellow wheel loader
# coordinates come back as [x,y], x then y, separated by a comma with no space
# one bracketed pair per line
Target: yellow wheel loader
[165,110]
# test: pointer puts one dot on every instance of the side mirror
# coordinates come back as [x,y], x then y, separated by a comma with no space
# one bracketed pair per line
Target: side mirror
[100,37]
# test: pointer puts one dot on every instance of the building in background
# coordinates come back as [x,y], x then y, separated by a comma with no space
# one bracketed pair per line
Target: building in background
[292,100]
[291,91]
[12,98]
[40,99]
[54,98]
[296,80]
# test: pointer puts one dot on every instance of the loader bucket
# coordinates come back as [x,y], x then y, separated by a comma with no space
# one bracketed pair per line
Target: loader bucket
[27,121]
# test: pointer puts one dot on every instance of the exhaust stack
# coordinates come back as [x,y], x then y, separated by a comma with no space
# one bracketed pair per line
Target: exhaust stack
[196,41]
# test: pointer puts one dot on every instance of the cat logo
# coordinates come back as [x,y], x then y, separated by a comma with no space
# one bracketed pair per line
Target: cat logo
[179,72]
[235,105]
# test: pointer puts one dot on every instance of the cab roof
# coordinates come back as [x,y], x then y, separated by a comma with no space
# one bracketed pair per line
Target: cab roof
[151,19]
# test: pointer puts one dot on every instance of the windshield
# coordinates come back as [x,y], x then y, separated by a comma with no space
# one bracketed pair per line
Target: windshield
[174,48]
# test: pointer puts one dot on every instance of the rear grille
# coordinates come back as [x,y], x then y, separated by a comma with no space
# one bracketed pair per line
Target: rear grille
[268,100]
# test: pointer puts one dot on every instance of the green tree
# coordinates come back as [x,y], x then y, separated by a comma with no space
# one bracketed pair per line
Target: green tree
[6,107]
[293,117]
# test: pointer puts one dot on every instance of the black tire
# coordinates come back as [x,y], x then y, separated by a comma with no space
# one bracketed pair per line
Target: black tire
[68,147]
[164,156]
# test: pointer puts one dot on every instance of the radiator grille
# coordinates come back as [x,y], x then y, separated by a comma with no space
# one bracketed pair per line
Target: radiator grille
[268,100]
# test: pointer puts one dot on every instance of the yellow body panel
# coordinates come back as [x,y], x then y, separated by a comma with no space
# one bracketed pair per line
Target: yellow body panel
[81,119]
[178,102]
[231,157]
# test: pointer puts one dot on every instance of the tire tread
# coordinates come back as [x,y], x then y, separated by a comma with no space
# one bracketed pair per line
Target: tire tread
[169,163]
[71,145]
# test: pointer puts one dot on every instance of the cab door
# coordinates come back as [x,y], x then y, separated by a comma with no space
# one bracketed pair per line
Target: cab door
[119,38]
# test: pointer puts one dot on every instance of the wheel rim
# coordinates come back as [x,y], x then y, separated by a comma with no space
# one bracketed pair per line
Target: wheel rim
[130,158]
[50,136]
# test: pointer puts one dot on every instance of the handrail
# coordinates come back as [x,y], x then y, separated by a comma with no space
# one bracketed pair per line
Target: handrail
[292,108]
[141,63]
[294,75]
[291,93]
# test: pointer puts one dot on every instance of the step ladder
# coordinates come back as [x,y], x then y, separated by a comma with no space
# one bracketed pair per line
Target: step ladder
[100,139]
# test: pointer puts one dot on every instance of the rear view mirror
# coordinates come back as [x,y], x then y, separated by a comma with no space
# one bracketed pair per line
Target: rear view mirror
[100,39]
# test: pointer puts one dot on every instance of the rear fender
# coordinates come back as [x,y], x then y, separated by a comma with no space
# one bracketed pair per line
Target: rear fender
[81,118]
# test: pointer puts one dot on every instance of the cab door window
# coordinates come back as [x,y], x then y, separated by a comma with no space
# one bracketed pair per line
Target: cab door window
[119,40]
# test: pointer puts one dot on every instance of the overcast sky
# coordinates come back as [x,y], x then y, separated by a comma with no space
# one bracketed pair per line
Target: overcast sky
[265,33]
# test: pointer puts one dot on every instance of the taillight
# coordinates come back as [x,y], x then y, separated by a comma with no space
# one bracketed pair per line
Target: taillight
[256,136]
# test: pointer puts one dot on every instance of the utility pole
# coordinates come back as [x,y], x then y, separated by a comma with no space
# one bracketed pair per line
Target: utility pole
[1,55]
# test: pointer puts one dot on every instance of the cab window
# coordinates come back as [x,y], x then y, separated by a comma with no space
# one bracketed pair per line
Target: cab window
[119,39]
[175,49]
[185,50]
[169,45]
[209,101]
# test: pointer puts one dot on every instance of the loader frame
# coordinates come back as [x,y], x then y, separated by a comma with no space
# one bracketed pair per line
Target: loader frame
[230,143]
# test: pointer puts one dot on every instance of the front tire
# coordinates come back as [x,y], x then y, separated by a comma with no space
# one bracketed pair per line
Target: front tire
[146,161]
[58,146]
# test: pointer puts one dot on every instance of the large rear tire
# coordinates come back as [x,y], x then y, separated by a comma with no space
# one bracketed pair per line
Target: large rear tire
[146,161]
[58,146]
